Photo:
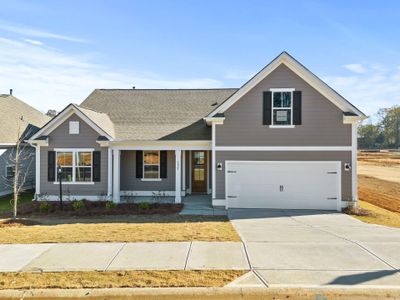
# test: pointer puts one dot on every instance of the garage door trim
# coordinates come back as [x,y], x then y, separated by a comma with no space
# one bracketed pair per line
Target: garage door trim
[337,163]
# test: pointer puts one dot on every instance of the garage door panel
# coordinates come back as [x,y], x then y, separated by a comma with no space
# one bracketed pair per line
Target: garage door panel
[286,185]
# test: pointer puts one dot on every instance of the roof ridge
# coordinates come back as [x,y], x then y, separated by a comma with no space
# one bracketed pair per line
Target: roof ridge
[169,89]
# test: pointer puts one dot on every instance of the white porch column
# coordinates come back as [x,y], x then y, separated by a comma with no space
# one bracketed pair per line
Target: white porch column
[354,178]
[116,185]
[184,172]
[109,174]
[213,164]
[178,176]
[37,171]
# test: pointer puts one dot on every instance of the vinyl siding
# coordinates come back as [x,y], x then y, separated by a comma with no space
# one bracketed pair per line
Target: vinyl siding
[27,165]
[60,138]
[222,156]
[322,121]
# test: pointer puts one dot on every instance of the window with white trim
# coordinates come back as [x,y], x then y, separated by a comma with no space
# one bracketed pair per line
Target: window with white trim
[151,164]
[76,166]
[74,127]
[10,171]
[282,107]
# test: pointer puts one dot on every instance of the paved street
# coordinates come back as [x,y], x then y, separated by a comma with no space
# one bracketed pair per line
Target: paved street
[279,248]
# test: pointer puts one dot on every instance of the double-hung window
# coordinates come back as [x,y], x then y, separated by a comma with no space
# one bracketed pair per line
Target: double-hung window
[282,107]
[76,166]
[151,164]
[10,171]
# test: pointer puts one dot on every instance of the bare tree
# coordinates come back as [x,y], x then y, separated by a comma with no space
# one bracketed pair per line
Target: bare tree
[20,159]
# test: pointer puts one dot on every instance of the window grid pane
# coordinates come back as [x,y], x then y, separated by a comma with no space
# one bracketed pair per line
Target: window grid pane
[151,162]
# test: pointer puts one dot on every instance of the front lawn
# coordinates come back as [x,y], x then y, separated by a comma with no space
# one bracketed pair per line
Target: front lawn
[118,279]
[149,228]
[6,201]
[378,215]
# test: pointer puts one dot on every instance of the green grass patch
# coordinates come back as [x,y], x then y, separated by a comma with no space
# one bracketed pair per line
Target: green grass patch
[6,201]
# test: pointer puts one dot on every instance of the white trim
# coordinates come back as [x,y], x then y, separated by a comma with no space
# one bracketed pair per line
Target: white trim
[37,170]
[300,70]
[178,175]
[109,172]
[208,171]
[213,166]
[282,126]
[159,168]
[62,117]
[337,163]
[116,176]
[161,145]
[283,148]
[72,198]
[73,149]
[282,89]
[184,170]
[190,171]
[75,182]
[354,179]
[216,120]
[7,144]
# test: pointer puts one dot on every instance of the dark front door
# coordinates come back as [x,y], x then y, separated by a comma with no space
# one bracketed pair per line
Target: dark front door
[199,171]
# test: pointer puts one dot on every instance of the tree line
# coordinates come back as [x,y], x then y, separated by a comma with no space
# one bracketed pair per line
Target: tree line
[385,134]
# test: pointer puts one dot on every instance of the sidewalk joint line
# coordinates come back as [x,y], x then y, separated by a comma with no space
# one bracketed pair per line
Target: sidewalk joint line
[188,254]
[115,256]
[264,281]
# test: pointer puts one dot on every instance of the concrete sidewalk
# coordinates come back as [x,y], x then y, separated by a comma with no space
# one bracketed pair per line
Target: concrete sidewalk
[123,256]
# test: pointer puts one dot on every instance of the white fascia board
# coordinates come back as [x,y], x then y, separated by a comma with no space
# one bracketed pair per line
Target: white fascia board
[353,119]
[63,116]
[302,72]
[283,148]
[160,145]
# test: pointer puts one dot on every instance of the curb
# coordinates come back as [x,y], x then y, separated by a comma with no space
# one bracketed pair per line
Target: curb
[322,293]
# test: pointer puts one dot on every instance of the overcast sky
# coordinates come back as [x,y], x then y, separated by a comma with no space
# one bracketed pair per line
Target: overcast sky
[56,52]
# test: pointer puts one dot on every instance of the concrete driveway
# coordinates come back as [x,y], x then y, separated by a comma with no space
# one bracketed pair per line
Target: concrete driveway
[287,247]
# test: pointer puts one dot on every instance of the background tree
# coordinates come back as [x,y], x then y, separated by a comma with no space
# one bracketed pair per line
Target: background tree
[389,120]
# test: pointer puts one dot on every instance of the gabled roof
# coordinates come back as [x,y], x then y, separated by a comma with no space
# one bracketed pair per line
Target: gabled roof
[98,121]
[17,116]
[302,72]
[157,114]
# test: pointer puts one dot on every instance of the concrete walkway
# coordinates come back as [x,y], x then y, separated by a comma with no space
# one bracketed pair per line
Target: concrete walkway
[123,256]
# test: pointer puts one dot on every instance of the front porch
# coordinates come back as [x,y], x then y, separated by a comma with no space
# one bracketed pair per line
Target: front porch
[163,176]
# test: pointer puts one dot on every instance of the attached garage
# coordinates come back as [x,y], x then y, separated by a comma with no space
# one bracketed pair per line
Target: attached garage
[283,184]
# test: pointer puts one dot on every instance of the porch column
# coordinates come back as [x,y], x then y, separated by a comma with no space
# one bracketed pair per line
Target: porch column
[213,163]
[37,170]
[184,172]
[116,185]
[109,174]
[178,176]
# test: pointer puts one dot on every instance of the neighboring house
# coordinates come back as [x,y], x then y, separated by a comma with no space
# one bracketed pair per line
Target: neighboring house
[284,139]
[18,121]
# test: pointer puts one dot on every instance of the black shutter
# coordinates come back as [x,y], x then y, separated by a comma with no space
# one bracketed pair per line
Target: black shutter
[163,164]
[139,164]
[51,166]
[267,103]
[96,165]
[297,108]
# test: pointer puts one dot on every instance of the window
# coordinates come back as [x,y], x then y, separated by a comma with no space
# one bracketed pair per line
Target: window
[151,164]
[10,171]
[73,127]
[282,105]
[76,166]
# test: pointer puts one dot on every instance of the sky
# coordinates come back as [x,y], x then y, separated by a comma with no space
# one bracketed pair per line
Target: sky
[53,53]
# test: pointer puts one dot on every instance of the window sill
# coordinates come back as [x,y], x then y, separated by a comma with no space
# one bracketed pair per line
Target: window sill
[282,126]
[150,179]
[77,183]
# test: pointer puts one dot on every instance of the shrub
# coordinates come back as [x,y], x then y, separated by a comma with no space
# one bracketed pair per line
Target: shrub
[110,204]
[78,204]
[144,205]
[44,207]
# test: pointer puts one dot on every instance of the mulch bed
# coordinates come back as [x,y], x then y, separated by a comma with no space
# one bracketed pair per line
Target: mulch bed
[92,208]
[18,223]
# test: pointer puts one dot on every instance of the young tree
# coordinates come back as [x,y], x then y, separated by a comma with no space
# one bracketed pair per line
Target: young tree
[20,158]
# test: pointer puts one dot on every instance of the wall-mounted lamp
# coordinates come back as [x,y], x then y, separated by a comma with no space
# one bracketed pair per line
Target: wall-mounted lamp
[347,166]
[219,166]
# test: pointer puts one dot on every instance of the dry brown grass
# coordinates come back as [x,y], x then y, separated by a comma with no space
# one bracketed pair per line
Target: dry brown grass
[137,229]
[385,159]
[93,279]
[385,194]
[378,215]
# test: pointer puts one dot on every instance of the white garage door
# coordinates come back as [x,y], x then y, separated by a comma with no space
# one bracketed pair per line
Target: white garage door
[284,184]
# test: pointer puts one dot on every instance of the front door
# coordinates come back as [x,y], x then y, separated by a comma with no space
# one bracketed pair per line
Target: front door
[199,171]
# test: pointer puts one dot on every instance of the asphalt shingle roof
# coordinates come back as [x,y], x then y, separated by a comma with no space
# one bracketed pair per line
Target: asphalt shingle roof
[16,116]
[165,114]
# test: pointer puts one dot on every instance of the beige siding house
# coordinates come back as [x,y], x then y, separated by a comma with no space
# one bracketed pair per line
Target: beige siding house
[284,139]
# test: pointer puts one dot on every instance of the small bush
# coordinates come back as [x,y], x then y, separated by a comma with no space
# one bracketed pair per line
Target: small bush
[44,207]
[78,204]
[144,205]
[110,204]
